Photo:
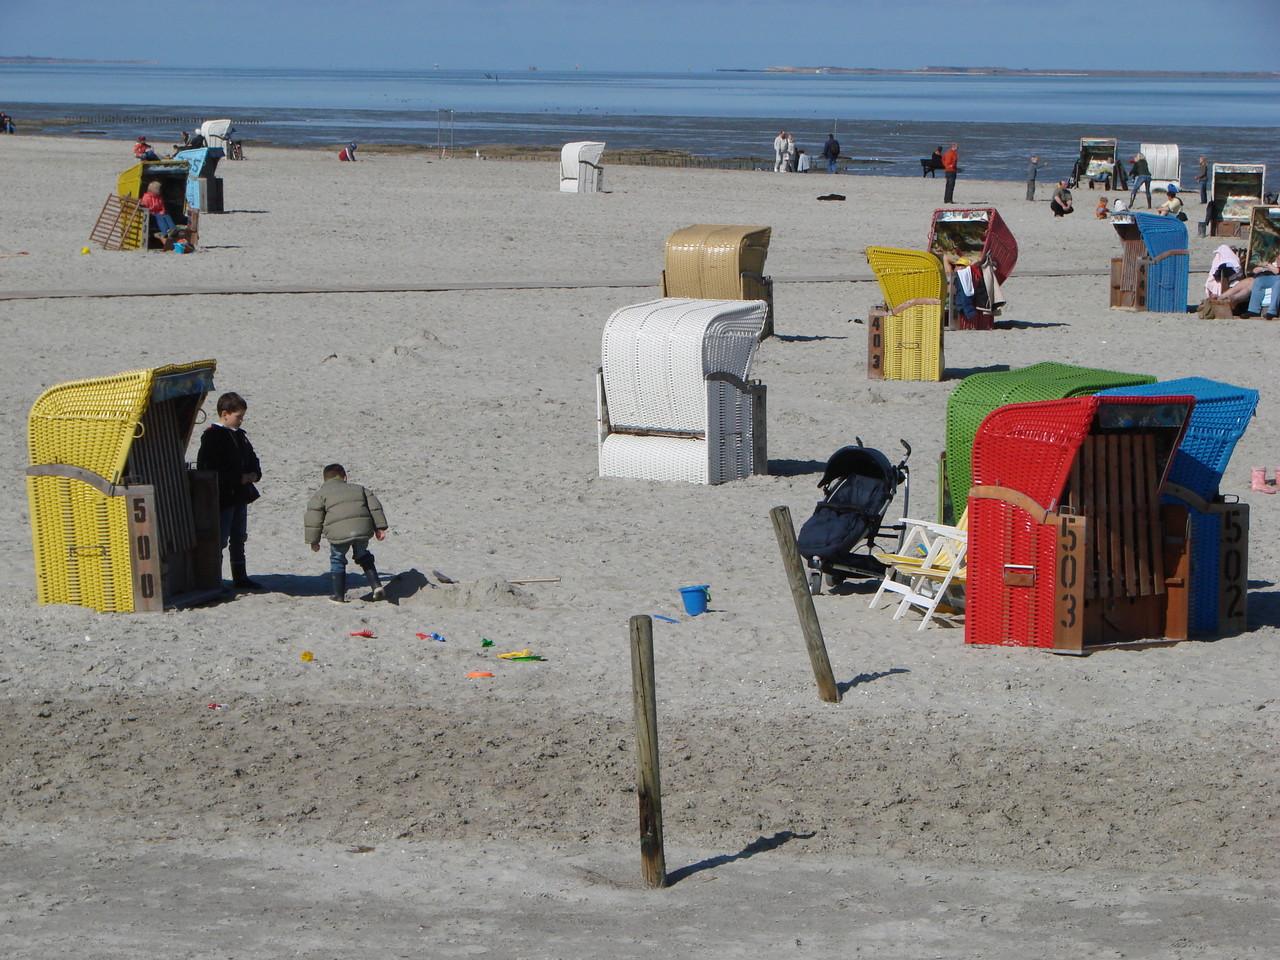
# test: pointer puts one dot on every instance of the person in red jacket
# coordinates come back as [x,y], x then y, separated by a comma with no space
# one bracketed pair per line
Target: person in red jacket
[950,159]
[142,150]
[154,203]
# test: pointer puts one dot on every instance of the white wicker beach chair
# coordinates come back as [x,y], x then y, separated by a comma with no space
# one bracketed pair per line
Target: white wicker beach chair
[580,170]
[216,133]
[674,401]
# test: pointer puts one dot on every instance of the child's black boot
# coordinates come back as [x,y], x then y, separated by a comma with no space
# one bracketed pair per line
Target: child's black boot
[339,587]
[371,574]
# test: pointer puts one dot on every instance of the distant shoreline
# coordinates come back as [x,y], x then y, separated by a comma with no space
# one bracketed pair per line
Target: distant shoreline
[1012,72]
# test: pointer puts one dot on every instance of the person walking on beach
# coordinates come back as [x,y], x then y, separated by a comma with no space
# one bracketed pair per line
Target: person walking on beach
[1061,202]
[779,152]
[950,162]
[1031,176]
[1140,173]
[831,152]
[226,450]
[1202,178]
[347,515]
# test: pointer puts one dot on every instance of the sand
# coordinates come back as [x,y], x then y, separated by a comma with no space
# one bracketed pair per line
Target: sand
[959,802]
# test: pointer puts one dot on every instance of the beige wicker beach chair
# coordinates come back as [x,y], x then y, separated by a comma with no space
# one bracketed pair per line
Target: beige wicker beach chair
[719,262]
[674,399]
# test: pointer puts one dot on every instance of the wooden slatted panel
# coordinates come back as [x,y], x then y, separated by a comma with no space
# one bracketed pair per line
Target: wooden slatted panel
[1124,507]
[1155,530]
[121,225]
[1142,513]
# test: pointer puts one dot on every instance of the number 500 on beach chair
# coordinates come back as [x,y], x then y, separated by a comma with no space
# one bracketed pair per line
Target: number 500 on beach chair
[118,521]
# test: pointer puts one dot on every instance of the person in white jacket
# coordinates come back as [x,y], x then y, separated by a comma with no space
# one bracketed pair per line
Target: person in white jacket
[780,152]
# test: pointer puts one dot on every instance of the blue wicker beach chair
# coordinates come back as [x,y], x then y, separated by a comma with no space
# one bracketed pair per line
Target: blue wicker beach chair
[1152,274]
[1218,420]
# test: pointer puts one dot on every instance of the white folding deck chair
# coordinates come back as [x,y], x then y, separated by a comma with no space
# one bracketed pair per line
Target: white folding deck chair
[580,169]
[931,563]
[673,397]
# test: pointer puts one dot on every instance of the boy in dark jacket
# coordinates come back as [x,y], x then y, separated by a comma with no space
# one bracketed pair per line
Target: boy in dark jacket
[226,450]
[347,515]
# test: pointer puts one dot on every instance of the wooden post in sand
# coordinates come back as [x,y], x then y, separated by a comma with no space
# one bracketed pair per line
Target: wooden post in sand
[648,785]
[786,534]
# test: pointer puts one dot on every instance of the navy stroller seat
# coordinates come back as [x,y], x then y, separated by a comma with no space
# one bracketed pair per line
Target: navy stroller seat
[859,484]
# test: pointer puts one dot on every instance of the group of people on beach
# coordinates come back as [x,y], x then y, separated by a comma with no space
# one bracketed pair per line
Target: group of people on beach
[788,158]
[344,514]
[1061,203]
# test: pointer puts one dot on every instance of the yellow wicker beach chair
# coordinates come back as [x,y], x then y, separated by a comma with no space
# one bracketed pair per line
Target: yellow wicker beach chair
[719,262]
[906,333]
[115,519]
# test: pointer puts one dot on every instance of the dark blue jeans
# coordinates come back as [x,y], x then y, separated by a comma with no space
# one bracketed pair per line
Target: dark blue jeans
[359,553]
[235,531]
[1140,183]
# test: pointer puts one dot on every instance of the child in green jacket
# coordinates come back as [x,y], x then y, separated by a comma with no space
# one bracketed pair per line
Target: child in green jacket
[347,515]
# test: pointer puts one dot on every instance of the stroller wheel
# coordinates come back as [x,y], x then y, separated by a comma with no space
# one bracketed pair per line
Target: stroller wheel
[815,583]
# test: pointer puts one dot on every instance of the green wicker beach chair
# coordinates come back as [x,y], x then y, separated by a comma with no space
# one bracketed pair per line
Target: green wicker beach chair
[977,395]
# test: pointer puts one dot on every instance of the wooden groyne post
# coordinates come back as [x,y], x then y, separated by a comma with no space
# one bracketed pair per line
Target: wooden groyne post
[648,783]
[785,531]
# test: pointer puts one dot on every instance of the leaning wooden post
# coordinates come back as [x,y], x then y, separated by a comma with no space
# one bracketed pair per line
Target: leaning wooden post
[648,785]
[786,534]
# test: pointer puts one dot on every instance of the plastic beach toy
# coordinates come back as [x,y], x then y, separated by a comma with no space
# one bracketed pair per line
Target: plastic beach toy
[367,634]
[430,636]
[479,673]
[307,656]
[695,599]
[519,655]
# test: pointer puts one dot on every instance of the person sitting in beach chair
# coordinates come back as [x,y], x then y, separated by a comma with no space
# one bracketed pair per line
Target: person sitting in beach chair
[1257,294]
[160,218]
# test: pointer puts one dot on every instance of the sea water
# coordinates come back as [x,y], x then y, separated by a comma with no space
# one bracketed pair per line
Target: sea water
[884,122]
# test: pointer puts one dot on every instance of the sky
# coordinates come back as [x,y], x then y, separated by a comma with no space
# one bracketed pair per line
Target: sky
[655,35]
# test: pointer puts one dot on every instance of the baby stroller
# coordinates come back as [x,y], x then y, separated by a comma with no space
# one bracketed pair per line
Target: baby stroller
[859,484]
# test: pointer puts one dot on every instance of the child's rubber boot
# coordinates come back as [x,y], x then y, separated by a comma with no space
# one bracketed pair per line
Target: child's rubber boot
[371,574]
[241,579]
[1259,481]
[339,587]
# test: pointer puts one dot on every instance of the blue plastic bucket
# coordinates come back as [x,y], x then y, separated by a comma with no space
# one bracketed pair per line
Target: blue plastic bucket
[695,599]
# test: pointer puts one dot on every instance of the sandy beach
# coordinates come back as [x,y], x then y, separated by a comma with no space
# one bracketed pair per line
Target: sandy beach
[435,326]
